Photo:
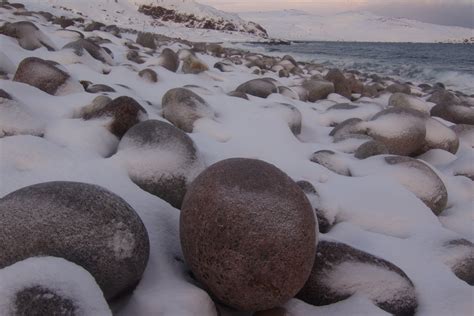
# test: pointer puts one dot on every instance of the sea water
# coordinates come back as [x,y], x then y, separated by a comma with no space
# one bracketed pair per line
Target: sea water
[451,64]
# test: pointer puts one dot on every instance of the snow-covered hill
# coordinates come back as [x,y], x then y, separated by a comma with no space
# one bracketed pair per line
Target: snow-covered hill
[353,26]
[174,18]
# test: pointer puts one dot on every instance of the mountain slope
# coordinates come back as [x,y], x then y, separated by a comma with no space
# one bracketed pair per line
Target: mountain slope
[353,26]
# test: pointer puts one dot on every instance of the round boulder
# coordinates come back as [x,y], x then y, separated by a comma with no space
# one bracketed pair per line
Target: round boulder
[318,89]
[397,87]
[330,160]
[418,178]
[465,133]
[84,45]
[439,136]
[261,88]
[341,271]
[460,258]
[458,114]
[341,84]
[169,60]
[183,107]
[371,148]
[161,159]
[403,131]
[406,101]
[49,286]
[124,113]
[42,74]
[82,223]
[28,35]
[248,233]
[149,75]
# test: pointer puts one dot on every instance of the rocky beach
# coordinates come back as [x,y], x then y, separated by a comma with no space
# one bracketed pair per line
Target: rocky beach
[144,174]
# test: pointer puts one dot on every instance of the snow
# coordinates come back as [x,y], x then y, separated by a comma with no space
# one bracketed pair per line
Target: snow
[64,278]
[375,211]
[353,26]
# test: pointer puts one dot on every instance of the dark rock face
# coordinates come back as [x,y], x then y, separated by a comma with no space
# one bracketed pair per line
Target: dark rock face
[251,253]
[182,107]
[149,75]
[82,223]
[458,114]
[191,21]
[42,74]
[329,159]
[433,193]
[134,56]
[261,88]
[169,60]
[318,90]
[336,261]
[28,35]
[169,185]
[38,301]
[278,311]
[124,111]
[402,131]
[92,48]
[341,84]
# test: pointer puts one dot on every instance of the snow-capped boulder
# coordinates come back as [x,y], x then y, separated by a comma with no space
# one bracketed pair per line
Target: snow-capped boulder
[455,113]
[332,161]
[42,74]
[193,65]
[439,136]
[348,127]
[161,159]
[341,271]
[17,119]
[233,237]
[149,75]
[83,223]
[459,256]
[402,130]
[49,286]
[85,45]
[182,107]
[465,133]
[121,113]
[261,88]
[28,35]
[406,101]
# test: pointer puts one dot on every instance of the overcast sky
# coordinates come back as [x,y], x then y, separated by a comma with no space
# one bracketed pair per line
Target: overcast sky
[447,12]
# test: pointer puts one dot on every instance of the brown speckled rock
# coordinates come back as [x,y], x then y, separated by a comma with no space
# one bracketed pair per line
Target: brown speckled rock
[458,114]
[461,262]
[42,74]
[82,223]
[248,233]
[370,148]
[124,112]
[341,271]
[318,89]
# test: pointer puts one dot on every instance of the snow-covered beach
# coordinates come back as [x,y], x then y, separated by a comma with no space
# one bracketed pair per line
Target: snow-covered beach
[143,174]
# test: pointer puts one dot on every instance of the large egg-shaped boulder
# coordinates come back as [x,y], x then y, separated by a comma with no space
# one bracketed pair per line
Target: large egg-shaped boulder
[82,223]
[248,232]
[258,87]
[161,159]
